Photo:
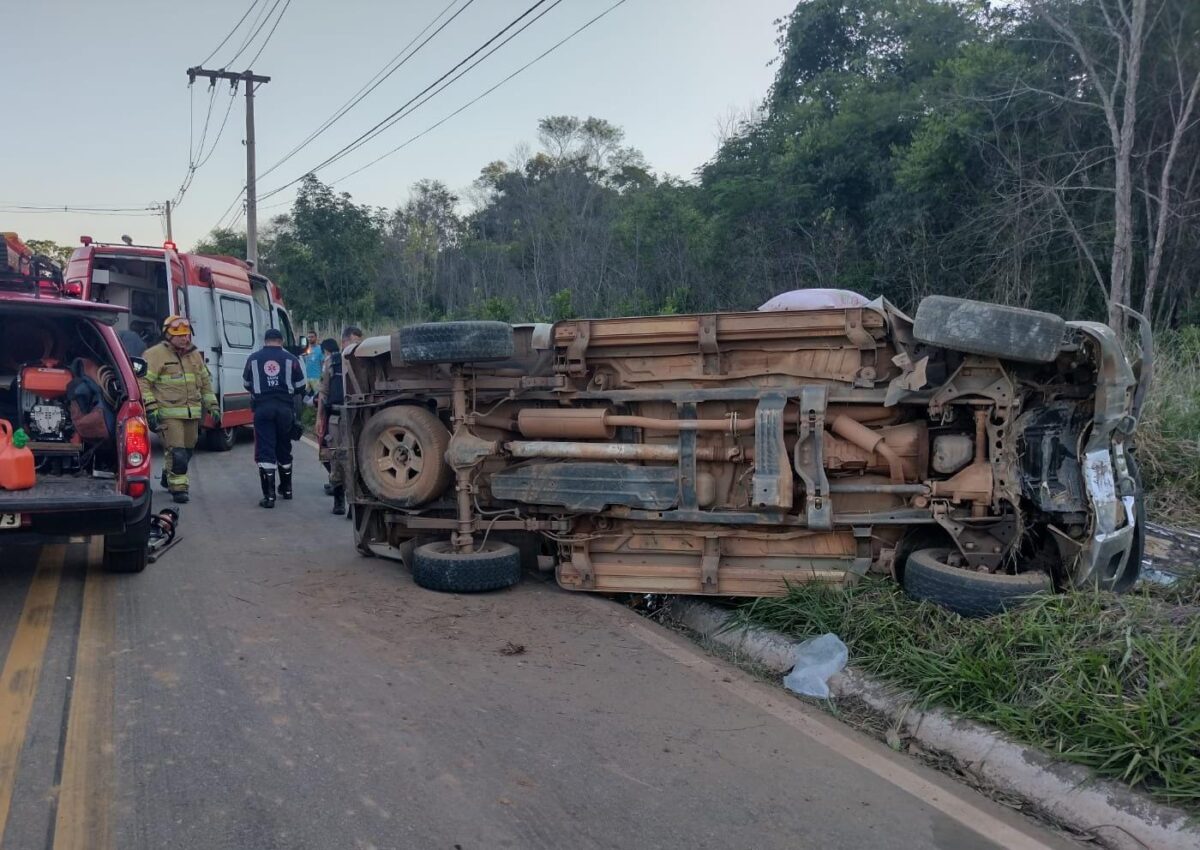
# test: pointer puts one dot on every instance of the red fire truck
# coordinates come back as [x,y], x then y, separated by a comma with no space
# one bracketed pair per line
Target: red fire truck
[229,305]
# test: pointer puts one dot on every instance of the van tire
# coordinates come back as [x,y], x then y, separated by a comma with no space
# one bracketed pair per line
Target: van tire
[456,342]
[928,577]
[990,330]
[402,456]
[220,439]
[437,566]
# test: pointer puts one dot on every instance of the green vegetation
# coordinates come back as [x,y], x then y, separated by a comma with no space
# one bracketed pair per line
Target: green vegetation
[1169,436]
[1111,682]
[1039,153]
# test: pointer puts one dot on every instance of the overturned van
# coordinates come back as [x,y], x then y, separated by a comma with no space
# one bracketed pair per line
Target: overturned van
[977,453]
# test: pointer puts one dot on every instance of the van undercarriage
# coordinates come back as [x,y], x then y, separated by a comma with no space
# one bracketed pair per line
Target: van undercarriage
[738,453]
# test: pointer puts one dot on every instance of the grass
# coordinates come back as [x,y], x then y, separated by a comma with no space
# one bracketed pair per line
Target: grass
[1110,682]
[1168,438]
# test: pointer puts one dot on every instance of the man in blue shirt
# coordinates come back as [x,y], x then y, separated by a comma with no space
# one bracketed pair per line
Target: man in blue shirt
[312,362]
[276,383]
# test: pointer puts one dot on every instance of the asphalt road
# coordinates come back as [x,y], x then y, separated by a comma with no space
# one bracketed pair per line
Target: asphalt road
[263,686]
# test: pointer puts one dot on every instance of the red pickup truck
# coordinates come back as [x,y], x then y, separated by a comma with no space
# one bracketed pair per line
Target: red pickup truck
[68,383]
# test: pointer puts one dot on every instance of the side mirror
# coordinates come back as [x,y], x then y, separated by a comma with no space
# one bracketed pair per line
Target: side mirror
[139,366]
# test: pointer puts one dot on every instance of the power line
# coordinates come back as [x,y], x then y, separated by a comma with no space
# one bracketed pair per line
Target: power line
[148,211]
[463,73]
[271,33]
[221,131]
[236,26]
[374,82]
[228,210]
[382,125]
[75,208]
[453,114]
[255,33]
[212,98]
[197,160]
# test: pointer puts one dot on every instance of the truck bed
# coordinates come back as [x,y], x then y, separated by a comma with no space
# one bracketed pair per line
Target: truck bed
[54,493]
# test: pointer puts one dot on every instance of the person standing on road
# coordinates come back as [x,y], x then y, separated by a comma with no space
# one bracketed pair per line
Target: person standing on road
[276,383]
[330,397]
[313,360]
[329,401]
[177,392]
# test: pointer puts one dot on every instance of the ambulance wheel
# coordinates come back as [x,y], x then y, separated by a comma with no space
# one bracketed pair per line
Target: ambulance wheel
[220,439]
[402,456]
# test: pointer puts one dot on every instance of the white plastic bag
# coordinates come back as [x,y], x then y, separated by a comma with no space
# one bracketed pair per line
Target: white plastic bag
[815,661]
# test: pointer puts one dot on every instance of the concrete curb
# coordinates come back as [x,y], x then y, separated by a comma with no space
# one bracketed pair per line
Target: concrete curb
[1116,816]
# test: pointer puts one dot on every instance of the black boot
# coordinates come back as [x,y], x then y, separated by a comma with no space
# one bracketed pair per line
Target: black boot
[180,497]
[339,500]
[163,480]
[267,478]
[285,482]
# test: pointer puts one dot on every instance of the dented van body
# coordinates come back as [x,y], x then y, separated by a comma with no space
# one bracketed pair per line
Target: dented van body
[985,448]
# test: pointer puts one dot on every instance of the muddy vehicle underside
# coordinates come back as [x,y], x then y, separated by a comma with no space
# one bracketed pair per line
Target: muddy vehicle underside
[736,453]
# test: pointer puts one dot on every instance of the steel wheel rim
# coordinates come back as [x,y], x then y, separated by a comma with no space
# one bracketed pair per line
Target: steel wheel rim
[400,456]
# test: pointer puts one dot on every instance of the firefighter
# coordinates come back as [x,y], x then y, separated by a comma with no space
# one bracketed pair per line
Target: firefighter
[276,383]
[177,393]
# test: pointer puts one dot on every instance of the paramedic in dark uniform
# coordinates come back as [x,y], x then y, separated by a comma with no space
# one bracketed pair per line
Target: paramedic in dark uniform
[275,379]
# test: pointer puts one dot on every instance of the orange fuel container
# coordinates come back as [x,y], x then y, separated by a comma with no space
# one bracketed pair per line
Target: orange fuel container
[16,463]
[45,381]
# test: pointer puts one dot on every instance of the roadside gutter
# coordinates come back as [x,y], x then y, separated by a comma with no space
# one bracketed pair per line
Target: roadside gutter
[1114,815]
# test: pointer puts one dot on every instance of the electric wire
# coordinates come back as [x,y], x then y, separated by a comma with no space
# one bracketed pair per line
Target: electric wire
[255,33]
[482,95]
[267,40]
[382,125]
[236,26]
[373,83]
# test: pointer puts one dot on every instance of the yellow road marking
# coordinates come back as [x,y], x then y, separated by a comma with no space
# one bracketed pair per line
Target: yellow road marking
[23,669]
[954,805]
[85,800]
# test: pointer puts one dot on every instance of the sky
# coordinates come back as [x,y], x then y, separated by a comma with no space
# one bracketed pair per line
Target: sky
[102,93]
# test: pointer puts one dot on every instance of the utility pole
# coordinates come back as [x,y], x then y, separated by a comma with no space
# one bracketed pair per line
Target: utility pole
[251,79]
[170,237]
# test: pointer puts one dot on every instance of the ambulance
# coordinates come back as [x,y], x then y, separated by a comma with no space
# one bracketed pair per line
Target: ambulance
[229,305]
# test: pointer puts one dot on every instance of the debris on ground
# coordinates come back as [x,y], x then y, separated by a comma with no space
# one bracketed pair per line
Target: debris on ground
[511,648]
[817,659]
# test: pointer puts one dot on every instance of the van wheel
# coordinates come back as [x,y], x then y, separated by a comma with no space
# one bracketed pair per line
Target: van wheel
[437,566]
[928,576]
[991,330]
[220,439]
[456,342]
[402,456]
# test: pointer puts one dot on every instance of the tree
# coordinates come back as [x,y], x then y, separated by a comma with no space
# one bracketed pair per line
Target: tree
[61,254]
[325,254]
[222,241]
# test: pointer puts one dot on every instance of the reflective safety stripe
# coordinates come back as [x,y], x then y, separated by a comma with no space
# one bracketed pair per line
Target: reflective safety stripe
[180,412]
